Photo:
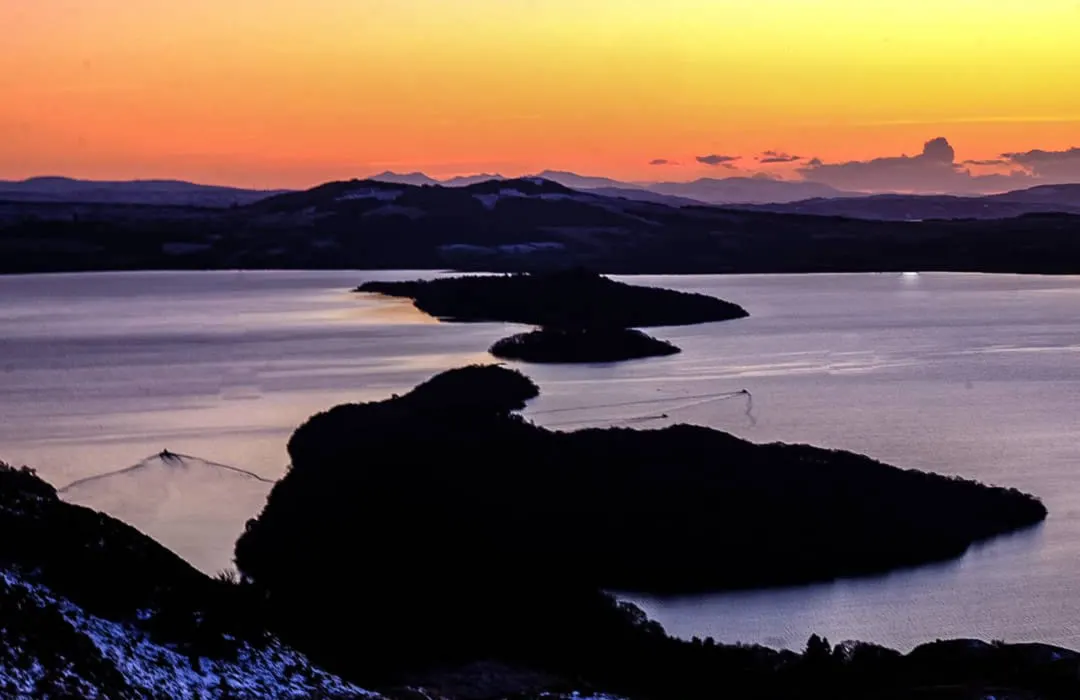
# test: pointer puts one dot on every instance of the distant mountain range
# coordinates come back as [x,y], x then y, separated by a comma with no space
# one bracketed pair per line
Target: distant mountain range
[796,197]
[522,224]
[896,207]
[731,190]
[747,190]
[758,194]
[159,192]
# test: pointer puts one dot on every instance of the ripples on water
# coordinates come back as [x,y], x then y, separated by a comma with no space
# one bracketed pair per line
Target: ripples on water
[962,374]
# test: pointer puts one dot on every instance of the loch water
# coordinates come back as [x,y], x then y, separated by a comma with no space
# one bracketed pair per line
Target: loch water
[975,375]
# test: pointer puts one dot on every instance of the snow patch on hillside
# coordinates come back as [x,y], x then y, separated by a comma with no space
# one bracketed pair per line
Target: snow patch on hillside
[157,670]
[371,193]
[488,200]
[21,682]
[491,200]
[563,197]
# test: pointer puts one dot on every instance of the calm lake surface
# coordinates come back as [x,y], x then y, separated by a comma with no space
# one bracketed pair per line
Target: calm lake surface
[977,375]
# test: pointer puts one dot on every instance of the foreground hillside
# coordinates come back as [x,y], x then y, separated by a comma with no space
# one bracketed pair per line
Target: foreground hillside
[512,225]
[92,608]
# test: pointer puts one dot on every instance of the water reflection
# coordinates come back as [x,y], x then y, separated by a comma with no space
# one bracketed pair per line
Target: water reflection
[901,605]
[184,502]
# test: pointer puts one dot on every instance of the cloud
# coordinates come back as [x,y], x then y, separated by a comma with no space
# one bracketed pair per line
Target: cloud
[934,170]
[715,160]
[987,163]
[1048,166]
[938,151]
[777,157]
[662,161]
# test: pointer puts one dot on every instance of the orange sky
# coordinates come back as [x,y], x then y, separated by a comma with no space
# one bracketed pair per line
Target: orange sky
[290,93]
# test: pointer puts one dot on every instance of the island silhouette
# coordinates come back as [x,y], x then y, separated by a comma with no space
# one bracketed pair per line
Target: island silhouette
[583,316]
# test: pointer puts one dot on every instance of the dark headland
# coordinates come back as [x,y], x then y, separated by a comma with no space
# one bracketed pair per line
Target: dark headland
[679,509]
[440,527]
[583,316]
[438,542]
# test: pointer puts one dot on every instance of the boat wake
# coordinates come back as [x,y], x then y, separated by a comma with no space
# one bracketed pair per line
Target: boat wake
[194,506]
[666,413]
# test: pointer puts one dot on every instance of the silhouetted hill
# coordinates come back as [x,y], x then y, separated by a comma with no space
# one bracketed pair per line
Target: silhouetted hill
[730,190]
[513,225]
[798,196]
[764,194]
[422,179]
[521,187]
[465,180]
[418,179]
[720,191]
[330,194]
[582,182]
[746,190]
[153,192]
[647,196]
[898,207]
[1061,195]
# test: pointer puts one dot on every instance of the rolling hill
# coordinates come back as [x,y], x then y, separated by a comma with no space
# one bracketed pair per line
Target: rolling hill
[513,225]
[1045,199]
[150,192]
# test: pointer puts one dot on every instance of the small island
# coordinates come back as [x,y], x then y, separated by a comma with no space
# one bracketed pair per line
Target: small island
[555,346]
[574,298]
[582,316]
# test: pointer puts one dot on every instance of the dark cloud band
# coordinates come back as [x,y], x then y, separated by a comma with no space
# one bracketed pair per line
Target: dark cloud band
[715,160]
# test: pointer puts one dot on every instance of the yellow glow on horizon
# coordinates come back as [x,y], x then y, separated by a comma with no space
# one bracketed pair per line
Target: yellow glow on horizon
[277,92]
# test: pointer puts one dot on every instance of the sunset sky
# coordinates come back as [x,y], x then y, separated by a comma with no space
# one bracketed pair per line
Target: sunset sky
[287,93]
